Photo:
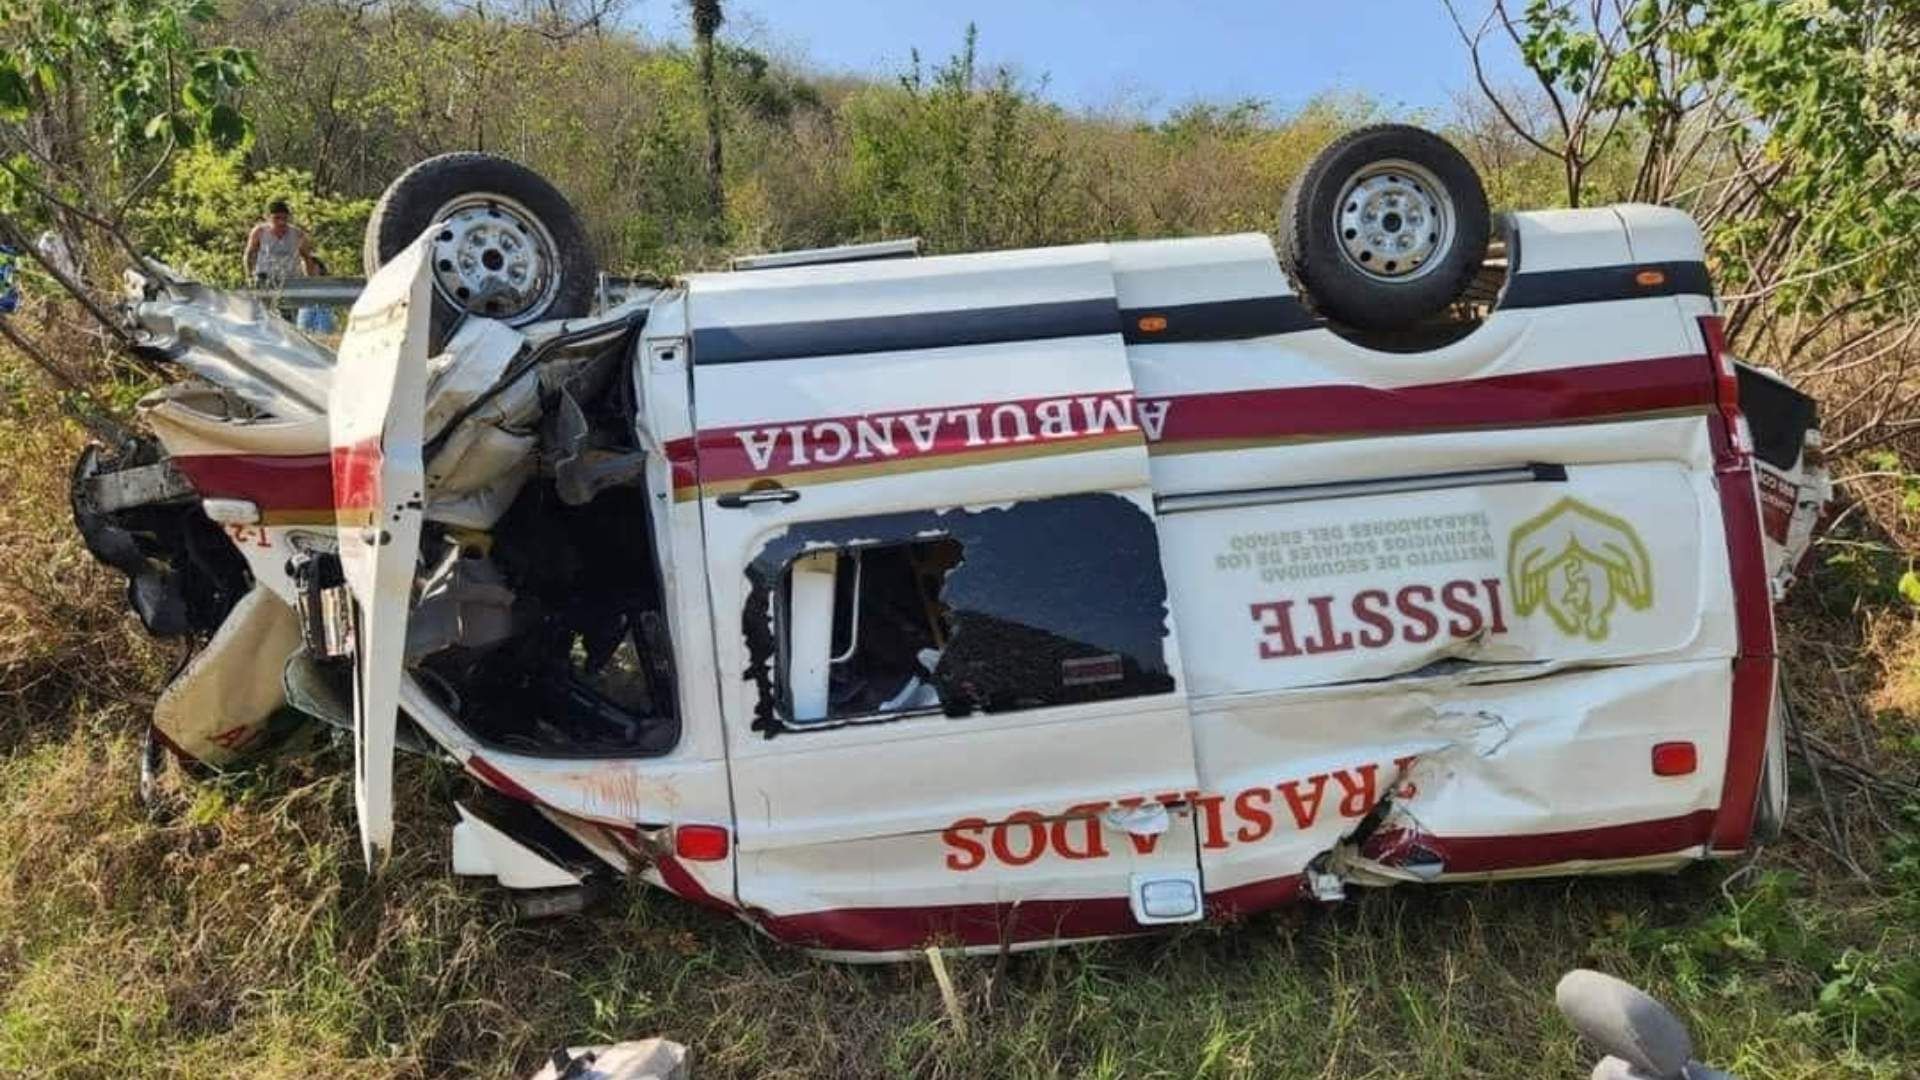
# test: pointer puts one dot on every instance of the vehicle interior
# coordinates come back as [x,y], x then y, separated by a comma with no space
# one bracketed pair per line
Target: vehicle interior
[546,634]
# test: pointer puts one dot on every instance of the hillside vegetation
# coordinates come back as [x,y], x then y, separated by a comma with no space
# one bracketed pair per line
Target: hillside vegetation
[228,929]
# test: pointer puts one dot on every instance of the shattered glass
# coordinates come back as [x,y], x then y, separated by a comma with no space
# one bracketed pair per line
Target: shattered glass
[1046,602]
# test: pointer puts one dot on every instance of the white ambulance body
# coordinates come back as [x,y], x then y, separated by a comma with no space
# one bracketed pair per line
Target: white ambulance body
[1032,596]
[993,600]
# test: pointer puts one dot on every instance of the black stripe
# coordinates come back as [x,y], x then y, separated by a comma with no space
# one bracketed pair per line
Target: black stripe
[1593,284]
[1219,320]
[889,333]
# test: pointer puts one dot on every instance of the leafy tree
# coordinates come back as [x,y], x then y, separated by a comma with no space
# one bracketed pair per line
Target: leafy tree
[95,98]
[957,156]
[95,95]
[194,219]
[706,22]
[1788,128]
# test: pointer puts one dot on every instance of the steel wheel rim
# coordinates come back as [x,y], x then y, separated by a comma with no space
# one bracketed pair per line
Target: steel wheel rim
[1394,220]
[493,257]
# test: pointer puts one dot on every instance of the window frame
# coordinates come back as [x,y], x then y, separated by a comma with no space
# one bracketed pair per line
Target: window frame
[1142,672]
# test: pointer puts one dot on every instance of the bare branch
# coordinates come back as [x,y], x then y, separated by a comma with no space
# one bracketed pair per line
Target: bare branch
[1810,275]
[103,428]
[17,238]
[1486,89]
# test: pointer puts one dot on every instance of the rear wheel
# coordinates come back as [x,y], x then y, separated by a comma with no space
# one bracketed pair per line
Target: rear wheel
[508,245]
[1385,227]
[1770,802]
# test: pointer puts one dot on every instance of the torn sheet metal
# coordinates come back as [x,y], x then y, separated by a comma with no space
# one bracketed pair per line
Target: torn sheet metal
[482,848]
[472,363]
[465,601]
[142,485]
[222,707]
[234,341]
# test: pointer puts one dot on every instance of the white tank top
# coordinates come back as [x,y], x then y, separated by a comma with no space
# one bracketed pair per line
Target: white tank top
[279,256]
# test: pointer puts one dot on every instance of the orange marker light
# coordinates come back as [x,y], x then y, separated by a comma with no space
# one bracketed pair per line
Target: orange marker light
[700,843]
[1152,324]
[1675,759]
[1650,278]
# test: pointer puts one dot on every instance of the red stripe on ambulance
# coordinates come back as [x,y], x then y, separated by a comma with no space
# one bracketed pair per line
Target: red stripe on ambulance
[1660,384]
[831,442]
[1328,411]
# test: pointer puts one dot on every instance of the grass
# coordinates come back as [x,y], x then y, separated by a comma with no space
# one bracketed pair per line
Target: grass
[231,932]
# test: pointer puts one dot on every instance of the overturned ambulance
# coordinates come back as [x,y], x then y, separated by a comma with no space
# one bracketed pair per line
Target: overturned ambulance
[1001,599]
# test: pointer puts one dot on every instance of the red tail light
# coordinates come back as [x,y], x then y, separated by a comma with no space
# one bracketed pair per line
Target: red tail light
[1675,759]
[700,843]
[1726,382]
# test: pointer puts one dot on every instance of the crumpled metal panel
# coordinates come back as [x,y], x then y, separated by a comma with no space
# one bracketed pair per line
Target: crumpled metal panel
[235,341]
[219,709]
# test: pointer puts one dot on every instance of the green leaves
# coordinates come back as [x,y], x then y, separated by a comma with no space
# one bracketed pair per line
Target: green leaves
[198,213]
[14,95]
[226,127]
[134,64]
[1910,588]
[1801,113]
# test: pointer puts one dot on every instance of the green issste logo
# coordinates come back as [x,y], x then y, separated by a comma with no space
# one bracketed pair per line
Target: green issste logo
[1578,563]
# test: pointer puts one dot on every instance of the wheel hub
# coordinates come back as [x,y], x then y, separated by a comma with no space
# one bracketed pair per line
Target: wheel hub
[1393,219]
[493,258]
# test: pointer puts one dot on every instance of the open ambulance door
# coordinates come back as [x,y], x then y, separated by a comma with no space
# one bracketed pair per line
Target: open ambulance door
[376,412]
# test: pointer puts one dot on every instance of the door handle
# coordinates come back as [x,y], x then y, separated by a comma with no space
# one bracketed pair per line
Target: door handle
[737,500]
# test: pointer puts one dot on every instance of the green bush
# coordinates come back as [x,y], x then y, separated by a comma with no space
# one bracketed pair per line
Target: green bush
[197,220]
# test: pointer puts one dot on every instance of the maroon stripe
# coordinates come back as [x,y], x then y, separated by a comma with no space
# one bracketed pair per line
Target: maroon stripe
[1753,669]
[487,773]
[1753,685]
[685,462]
[1482,854]
[888,929]
[269,481]
[1534,397]
[943,430]
[1253,897]
[356,475]
[1587,392]
[681,883]
[892,929]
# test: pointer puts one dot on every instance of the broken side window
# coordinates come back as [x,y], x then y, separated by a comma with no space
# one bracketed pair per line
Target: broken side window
[1049,602]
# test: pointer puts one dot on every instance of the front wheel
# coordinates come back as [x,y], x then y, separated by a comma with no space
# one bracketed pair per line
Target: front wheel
[1385,227]
[507,245]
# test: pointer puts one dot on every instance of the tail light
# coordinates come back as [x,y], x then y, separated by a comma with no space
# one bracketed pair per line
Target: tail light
[1726,383]
[1675,759]
[701,843]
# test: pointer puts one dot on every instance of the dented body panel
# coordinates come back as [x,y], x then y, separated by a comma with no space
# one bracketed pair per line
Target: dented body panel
[1009,599]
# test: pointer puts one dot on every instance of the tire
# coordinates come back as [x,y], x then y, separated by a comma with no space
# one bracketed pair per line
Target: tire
[1420,191]
[1770,801]
[513,249]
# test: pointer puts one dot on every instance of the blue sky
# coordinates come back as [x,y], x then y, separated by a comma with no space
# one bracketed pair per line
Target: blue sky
[1137,55]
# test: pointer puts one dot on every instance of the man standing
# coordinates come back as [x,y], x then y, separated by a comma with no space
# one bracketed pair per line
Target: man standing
[277,249]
